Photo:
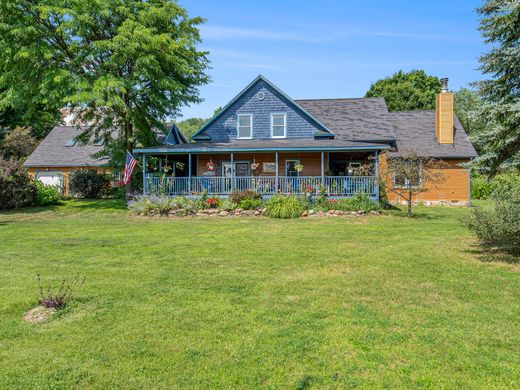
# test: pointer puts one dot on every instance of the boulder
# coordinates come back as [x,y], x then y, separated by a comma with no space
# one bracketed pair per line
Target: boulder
[305,213]
[223,213]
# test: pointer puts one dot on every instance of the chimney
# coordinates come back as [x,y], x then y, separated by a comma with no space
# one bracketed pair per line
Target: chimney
[444,127]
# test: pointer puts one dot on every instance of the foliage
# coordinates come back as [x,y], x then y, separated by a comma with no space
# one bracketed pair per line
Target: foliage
[213,202]
[359,202]
[469,107]
[282,206]
[500,27]
[88,183]
[18,144]
[410,174]
[228,205]
[250,204]
[189,126]
[239,196]
[414,90]
[16,187]
[125,64]
[46,194]
[498,221]
[57,297]
[480,188]
[153,205]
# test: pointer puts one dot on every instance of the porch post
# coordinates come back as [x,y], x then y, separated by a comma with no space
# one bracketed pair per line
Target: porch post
[322,169]
[377,174]
[276,186]
[232,172]
[144,174]
[189,174]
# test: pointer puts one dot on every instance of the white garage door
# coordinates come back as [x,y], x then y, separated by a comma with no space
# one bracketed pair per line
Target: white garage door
[52,179]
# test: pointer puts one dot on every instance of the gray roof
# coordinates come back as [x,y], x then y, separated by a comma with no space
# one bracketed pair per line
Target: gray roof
[415,131]
[364,119]
[259,145]
[52,151]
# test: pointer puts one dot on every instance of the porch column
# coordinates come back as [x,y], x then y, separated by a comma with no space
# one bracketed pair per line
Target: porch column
[276,162]
[144,174]
[232,172]
[189,174]
[322,169]
[377,174]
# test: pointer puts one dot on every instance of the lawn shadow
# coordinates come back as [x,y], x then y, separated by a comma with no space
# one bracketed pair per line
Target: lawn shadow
[32,209]
[99,204]
[494,254]
[417,214]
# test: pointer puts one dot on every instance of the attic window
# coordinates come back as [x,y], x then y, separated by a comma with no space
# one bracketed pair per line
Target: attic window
[260,95]
[99,142]
[70,142]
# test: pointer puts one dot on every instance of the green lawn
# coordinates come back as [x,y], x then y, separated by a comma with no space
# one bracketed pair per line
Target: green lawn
[256,302]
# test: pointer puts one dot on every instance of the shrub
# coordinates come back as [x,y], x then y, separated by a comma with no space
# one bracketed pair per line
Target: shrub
[357,202]
[480,188]
[505,183]
[239,196]
[154,205]
[17,189]
[47,194]
[213,203]
[250,204]
[281,206]
[228,205]
[88,183]
[56,297]
[498,221]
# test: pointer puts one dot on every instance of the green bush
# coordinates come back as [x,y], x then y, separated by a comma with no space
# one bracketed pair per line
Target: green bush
[356,203]
[281,206]
[88,183]
[250,204]
[154,205]
[497,222]
[480,188]
[46,194]
[239,196]
[228,205]
[17,189]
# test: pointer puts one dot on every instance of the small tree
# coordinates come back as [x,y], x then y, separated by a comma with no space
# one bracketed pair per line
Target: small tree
[409,175]
[18,143]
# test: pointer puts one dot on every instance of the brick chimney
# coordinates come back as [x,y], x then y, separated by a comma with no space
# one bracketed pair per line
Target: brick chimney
[444,115]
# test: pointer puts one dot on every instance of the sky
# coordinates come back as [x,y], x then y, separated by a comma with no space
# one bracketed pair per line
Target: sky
[332,48]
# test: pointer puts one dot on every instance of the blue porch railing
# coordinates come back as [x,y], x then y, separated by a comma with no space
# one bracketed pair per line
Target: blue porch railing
[341,186]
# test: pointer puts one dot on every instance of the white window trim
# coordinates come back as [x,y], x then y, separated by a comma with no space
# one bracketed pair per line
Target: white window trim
[406,185]
[238,126]
[284,125]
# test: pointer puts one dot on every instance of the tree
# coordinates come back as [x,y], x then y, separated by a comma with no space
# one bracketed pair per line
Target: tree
[409,175]
[500,27]
[18,144]
[125,64]
[410,91]
[189,126]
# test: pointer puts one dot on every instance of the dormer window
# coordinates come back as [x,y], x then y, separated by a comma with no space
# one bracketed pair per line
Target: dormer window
[71,142]
[244,126]
[278,125]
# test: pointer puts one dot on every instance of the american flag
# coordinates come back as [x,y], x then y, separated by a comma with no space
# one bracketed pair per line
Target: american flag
[129,168]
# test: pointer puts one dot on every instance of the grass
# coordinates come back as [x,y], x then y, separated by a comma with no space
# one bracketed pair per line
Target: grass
[256,302]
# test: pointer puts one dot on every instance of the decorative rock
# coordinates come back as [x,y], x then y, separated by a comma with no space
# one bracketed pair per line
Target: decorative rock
[374,212]
[305,213]
[312,212]
[353,213]
[331,212]
[257,213]
[238,210]
[201,214]
[223,213]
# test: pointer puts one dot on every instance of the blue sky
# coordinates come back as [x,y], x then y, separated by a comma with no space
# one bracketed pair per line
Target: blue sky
[332,48]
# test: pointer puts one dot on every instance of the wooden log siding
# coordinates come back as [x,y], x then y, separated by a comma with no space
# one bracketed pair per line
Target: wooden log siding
[453,189]
[311,161]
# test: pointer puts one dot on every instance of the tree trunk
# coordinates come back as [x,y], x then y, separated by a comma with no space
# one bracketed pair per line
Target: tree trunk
[410,199]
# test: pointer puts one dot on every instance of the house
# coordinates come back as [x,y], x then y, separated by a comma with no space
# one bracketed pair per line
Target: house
[60,153]
[265,141]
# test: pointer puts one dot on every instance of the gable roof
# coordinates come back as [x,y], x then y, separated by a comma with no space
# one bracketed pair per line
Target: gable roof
[415,131]
[259,78]
[362,119]
[52,151]
[175,137]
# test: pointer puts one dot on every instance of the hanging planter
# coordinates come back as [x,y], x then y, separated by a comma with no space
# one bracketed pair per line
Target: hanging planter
[298,167]
[210,165]
[255,165]
[180,165]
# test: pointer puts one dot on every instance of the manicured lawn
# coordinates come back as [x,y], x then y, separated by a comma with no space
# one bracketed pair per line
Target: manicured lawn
[256,303]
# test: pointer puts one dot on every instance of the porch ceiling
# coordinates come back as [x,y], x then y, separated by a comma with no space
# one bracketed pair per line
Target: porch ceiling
[266,146]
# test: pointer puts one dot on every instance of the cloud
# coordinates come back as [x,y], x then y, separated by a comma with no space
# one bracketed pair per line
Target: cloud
[235,33]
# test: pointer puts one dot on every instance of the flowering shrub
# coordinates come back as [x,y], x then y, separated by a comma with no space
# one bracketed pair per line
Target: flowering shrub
[239,196]
[213,203]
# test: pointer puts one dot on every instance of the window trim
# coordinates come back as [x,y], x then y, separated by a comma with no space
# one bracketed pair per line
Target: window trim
[238,126]
[406,186]
[284,125]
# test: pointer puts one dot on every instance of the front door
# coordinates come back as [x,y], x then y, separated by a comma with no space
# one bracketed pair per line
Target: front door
[242,169]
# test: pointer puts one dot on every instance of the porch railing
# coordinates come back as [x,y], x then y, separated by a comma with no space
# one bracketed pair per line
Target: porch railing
[344,186]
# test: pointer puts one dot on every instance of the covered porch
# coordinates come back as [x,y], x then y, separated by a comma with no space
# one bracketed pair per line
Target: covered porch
[337,173]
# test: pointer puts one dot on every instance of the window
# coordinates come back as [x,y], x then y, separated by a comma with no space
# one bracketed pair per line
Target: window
[278,126]
[99,142]
[245,126]
[70,142]
[290,167]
